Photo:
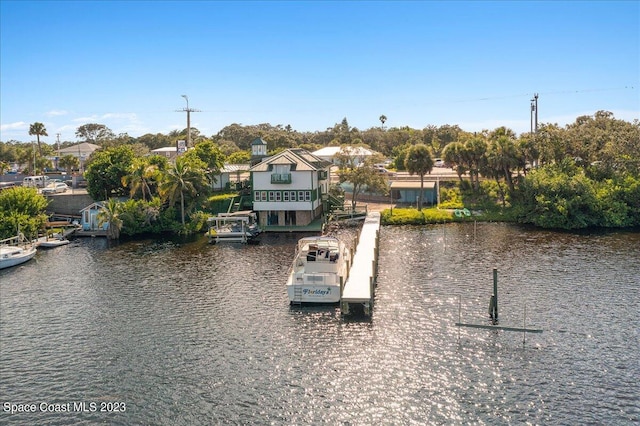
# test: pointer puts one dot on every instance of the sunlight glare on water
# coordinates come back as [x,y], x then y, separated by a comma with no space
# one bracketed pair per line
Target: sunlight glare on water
[189,333]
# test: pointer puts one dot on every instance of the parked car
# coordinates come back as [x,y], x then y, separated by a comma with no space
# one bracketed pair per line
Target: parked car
[35,181]
[7,185]
[384,171]
[55,188]
[438,162]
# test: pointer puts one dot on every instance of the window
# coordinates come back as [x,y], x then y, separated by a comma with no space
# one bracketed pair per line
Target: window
[256,195]
[285,196]
[264,196]
[307,195]
[282,168]
[300,195]
[278,196]
[292,194]
[272,195]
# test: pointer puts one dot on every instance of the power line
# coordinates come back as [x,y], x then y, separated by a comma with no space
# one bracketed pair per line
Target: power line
[559,92]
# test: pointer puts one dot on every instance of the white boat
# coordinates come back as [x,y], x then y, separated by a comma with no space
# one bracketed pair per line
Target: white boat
[14,251]
[319,270]
[239,226]
[52,242]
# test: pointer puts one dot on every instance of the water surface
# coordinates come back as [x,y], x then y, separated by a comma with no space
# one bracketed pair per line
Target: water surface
[191,333]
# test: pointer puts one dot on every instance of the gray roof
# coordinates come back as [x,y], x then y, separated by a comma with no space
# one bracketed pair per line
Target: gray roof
[411,184]
[258,141]
[83,147]
[302,160]
[232,168]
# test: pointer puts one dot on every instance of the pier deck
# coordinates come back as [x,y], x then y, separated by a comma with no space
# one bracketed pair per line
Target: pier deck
[360,285]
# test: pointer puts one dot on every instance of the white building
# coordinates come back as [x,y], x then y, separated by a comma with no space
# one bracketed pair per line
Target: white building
[288,188]
[81,151]
[358,153]
[171,152]
[229,173]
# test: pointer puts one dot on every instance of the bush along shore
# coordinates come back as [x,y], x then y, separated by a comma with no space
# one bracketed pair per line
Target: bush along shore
[562,197]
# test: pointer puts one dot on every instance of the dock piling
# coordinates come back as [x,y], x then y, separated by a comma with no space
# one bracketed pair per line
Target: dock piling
[493,305]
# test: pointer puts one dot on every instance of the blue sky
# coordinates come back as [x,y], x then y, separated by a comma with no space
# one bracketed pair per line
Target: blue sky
[309,64]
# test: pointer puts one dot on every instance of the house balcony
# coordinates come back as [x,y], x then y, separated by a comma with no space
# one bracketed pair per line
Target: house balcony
[283,178]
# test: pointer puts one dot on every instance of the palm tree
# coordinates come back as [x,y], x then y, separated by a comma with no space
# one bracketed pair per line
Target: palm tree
[504,158]
[419,161]
[476,149]
[69,162]
[38,130]
[25,155]
[140,178]
[455,154]
[110,214]
[180,179]
[383,119]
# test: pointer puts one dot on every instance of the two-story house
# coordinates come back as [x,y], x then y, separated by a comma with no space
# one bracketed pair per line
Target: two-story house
[288,188]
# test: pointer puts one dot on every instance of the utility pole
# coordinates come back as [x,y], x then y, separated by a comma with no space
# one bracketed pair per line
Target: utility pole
[188,111]
[534,113]
[58,157]
[33,148]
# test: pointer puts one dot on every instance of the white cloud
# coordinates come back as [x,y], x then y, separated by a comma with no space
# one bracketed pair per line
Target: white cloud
[120,116]
[18,125]
[89,119]
[56,113]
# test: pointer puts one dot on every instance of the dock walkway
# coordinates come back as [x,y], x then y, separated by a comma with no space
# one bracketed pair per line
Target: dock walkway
[360,286]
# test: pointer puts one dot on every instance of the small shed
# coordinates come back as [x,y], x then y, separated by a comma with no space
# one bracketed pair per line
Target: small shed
[89,218]
[408,192]
[228,174]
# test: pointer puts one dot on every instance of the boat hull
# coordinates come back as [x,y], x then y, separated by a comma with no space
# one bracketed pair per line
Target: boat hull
[13,256]
[52,243]
[309,293]
[319,271]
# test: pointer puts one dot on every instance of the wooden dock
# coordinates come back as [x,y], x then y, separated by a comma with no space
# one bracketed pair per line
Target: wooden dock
[359,288]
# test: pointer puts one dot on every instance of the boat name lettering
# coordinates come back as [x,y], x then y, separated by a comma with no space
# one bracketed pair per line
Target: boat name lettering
[316,292]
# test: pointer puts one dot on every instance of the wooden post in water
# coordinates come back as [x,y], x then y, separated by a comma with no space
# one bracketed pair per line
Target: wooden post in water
[459,314]
[524,326]
[495,292]
[493,305]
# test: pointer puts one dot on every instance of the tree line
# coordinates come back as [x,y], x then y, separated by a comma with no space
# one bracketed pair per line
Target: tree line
[600,137]
[538,175]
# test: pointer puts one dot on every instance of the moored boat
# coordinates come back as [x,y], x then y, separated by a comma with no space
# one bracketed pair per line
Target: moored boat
[51,242]
[15,251]
[319,270]
[239,226]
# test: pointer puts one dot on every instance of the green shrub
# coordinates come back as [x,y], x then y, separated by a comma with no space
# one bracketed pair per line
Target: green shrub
[450,198]
[414,217]
[434,215]
[197,222]
[219,203]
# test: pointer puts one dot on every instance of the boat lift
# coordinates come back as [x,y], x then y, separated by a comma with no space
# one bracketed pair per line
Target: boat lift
[238,226]
[493,314]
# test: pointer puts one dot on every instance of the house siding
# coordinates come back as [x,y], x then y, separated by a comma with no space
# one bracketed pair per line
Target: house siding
[284,202]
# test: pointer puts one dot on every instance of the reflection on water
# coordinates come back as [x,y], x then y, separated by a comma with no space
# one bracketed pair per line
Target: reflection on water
[191,333]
